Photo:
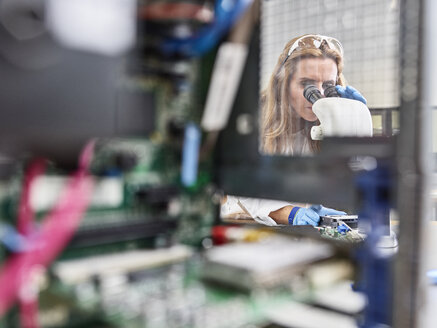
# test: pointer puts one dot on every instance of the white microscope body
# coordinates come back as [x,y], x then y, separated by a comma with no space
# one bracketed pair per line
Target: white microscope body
[341,117]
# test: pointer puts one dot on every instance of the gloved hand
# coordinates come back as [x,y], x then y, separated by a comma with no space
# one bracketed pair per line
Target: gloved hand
[303,216]
[311,215]
[350,93]
[322,211]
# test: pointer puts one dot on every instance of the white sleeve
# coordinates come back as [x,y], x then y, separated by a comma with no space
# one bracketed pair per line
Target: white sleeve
[259,209]
[231,207]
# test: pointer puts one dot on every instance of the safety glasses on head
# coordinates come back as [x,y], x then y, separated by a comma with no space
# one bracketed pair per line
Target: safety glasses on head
[315,41]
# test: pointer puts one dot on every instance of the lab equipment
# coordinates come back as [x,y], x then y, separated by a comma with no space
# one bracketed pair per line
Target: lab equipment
[342,229]
[311,93]
[331,91]
[334,221]
[341,117]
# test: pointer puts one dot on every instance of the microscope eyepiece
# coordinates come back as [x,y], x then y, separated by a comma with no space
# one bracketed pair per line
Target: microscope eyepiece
[330,91]
[311,93]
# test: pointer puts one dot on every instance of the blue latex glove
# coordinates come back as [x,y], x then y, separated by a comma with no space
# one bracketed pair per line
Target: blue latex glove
[350,93]
[322,211]
[303,216]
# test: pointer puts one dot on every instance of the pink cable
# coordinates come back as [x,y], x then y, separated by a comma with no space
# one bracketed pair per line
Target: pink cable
[25,212]
[29,312]
[28,304]
[56,231]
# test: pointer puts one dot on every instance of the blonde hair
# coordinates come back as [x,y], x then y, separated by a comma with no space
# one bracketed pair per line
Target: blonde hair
[279,120]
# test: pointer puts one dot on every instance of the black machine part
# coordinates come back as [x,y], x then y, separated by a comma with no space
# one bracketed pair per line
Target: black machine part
[331,91]
[59,98]
[312,94]
[334,221]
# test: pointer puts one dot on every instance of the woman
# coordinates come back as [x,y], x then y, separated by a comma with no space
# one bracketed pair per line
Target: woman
[287,118]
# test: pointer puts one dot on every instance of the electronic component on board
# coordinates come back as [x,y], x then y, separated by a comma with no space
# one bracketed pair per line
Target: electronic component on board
[333,221]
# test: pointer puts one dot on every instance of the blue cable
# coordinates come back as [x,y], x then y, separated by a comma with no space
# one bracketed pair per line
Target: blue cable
[190,154]
[227,13]
[11,239]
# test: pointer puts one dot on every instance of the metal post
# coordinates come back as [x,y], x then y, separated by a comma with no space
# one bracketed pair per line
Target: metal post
[412,167]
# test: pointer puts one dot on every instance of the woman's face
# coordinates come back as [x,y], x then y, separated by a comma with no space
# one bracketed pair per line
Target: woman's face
[320,72]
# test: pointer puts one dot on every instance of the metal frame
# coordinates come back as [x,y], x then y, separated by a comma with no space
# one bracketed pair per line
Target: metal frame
[412,167]
[243,171]
[386,117]
[325,178]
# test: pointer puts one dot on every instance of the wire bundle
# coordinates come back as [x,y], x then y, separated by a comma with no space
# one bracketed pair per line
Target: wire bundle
[45,242]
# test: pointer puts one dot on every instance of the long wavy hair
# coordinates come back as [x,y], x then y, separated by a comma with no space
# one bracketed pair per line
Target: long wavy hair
[279,120]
